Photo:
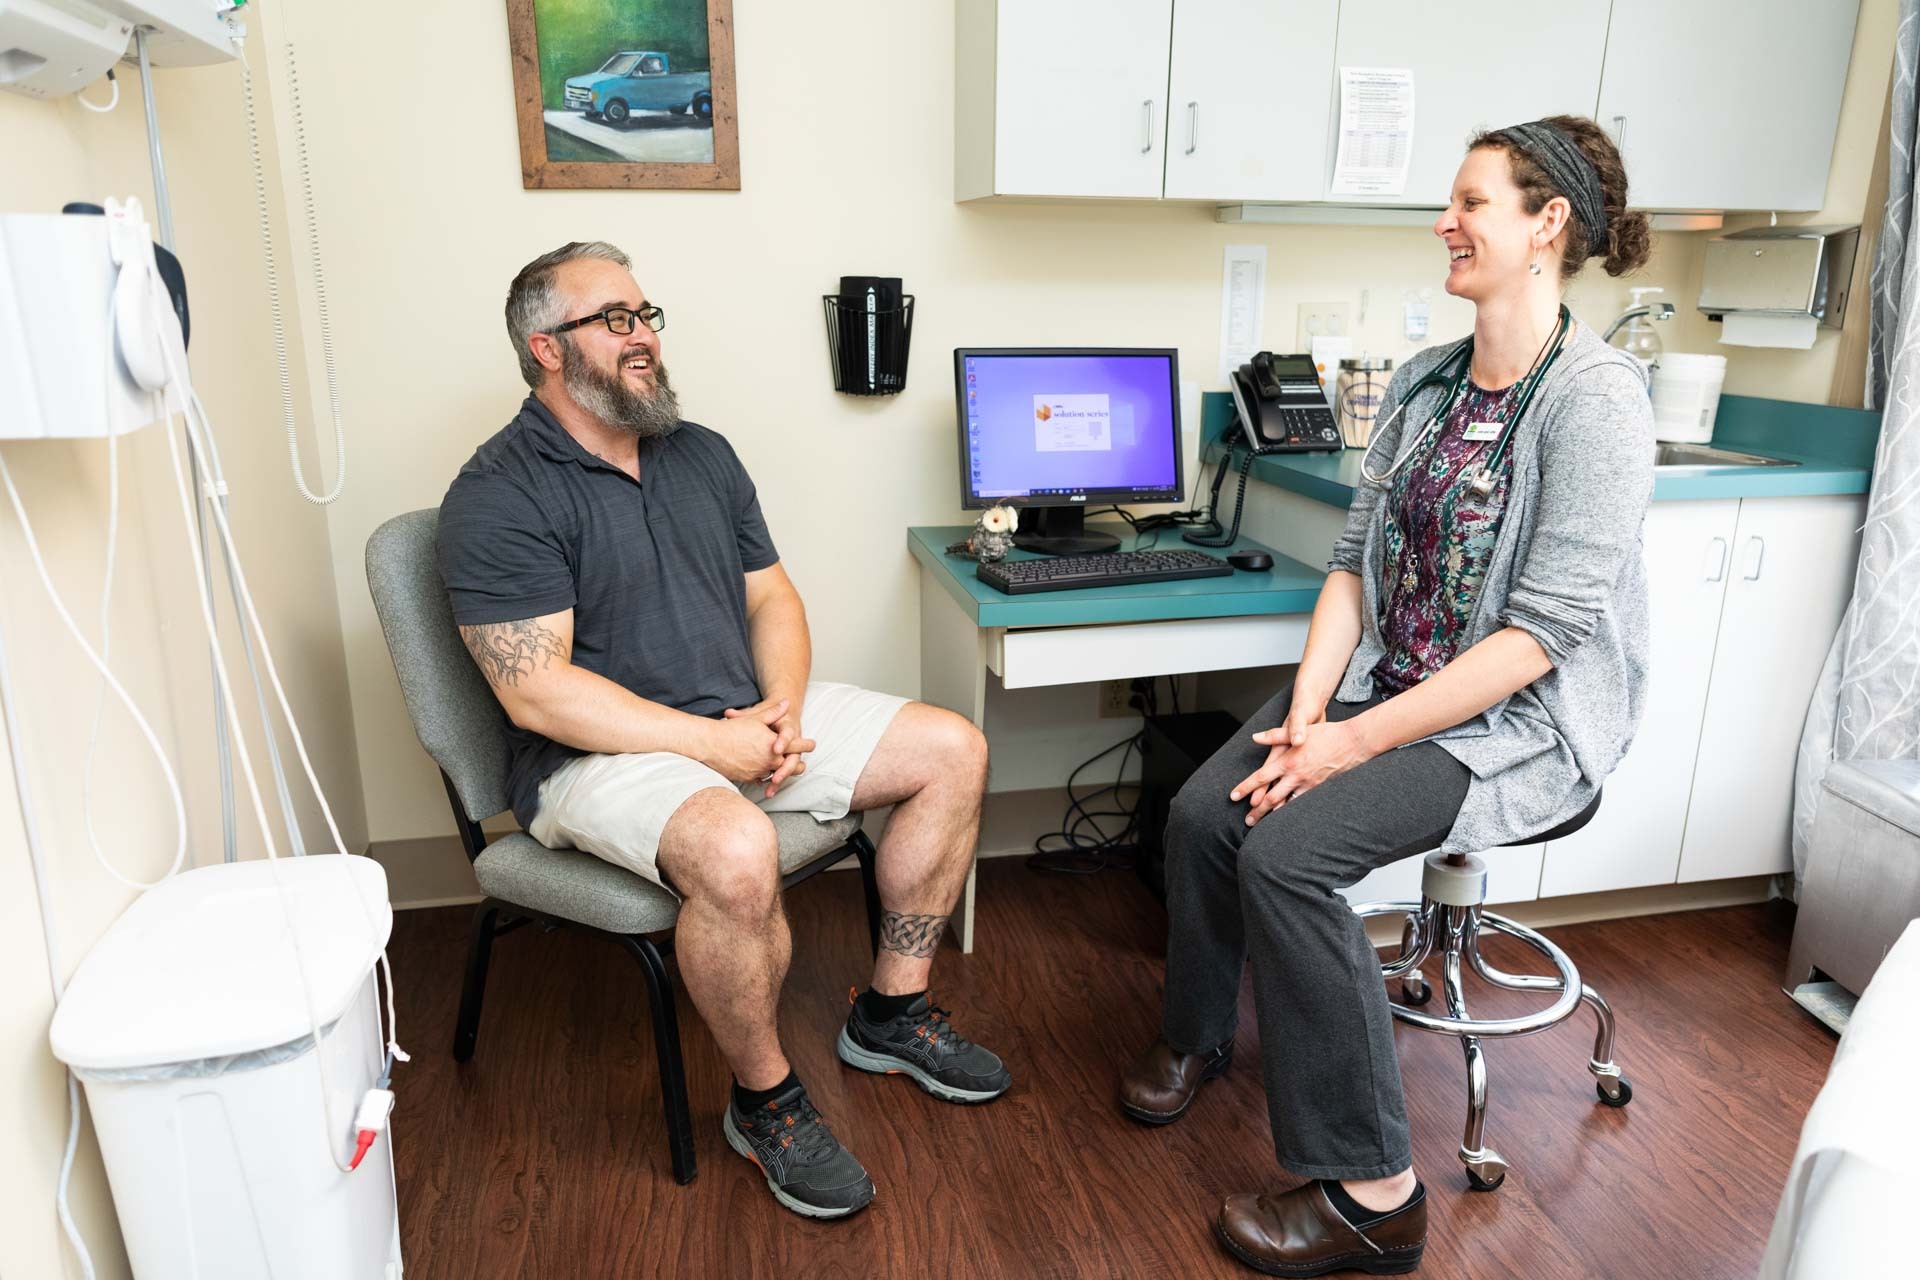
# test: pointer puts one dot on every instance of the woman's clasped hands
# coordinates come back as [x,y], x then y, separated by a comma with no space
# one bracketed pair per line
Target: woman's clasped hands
[1302,753]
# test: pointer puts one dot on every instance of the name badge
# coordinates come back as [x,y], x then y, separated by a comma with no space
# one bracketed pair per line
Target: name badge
[1482,431]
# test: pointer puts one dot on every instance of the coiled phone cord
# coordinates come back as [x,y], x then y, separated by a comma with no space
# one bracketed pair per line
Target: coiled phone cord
[1227,538]
[273,280]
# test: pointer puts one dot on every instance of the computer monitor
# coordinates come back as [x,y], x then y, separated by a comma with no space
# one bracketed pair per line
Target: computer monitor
[1055,430]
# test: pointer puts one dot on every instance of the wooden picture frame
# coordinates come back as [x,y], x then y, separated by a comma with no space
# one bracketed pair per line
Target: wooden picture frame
[653,143]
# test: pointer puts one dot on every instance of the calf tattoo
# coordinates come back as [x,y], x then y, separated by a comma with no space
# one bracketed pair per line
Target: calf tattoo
[917,936]
[506,651]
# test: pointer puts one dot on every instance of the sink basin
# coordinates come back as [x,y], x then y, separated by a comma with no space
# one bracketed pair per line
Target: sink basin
[1700,455]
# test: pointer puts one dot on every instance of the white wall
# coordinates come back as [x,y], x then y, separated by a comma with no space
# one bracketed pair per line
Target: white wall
[56,152]
[836,179]
[846,161]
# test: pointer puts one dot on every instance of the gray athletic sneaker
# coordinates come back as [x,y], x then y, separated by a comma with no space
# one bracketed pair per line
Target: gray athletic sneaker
[921,1043]
[806,1167]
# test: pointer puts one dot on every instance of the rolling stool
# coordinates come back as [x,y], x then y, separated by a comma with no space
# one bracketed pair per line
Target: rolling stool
[1449,913]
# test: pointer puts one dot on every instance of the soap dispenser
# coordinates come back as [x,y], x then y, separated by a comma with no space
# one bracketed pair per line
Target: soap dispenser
[1640,339]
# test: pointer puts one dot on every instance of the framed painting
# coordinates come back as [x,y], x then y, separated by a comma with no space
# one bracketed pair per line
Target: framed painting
[632,95]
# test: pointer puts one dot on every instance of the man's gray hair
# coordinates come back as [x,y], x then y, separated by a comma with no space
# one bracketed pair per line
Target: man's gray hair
[534,305]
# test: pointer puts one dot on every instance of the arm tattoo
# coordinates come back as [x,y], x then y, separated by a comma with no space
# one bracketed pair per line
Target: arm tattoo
[917,936]
[505,651]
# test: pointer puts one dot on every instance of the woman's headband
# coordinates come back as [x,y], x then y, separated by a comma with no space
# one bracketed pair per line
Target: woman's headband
[1568,168]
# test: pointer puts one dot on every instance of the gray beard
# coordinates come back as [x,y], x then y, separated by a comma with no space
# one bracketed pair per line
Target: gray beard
[642,415]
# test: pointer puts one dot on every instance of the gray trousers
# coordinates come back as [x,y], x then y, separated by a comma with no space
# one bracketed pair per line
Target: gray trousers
[1267,892]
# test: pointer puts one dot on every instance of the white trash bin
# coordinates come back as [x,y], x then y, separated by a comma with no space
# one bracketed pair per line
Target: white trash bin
[188,1026]
[1686,396]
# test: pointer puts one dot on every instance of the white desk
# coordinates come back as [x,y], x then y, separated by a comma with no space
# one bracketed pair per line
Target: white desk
[968,630]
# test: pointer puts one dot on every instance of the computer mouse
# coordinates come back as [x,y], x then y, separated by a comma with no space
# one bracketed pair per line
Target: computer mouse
[1253,561]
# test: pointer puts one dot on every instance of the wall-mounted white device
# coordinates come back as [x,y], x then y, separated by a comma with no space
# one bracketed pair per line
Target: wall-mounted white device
[81,324]
[49,48]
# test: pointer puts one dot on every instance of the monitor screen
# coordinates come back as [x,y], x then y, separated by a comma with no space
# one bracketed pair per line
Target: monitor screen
[1053,427]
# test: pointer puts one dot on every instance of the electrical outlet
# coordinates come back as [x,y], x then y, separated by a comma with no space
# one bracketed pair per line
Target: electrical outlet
[1323,320]
[1113,699]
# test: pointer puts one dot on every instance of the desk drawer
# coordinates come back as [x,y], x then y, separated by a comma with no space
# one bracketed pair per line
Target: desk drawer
[1028,658]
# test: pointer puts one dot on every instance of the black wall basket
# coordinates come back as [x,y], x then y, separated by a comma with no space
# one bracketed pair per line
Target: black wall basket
[869,327]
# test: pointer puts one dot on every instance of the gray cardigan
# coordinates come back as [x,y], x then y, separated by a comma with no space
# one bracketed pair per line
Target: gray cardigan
[1566,568]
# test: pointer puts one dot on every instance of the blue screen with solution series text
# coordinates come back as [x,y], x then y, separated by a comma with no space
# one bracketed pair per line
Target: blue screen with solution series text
[1063,424]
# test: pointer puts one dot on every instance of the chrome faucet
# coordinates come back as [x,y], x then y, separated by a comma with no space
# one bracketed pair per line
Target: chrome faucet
[1654,310]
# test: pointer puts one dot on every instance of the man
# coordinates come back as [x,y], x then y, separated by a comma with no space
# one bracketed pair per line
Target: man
[613,578]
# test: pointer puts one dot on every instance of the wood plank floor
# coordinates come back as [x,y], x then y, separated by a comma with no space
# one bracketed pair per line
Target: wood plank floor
[545,1155]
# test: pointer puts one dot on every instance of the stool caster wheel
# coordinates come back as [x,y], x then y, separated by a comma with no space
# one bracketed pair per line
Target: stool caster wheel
[1620,1098]
[1487,1174]
[1415,991]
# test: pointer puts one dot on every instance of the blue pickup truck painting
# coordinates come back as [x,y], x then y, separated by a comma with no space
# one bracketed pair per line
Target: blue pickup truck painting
[639,80]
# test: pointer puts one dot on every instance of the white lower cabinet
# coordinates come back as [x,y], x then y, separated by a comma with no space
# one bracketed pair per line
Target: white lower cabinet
[1744,596]
[1788,582]
[1635,838]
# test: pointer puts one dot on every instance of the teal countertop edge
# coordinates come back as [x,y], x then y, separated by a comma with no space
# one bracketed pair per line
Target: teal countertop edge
[1834,447]
[1289,587]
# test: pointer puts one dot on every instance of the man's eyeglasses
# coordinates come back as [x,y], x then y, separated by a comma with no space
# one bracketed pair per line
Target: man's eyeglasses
[619,319]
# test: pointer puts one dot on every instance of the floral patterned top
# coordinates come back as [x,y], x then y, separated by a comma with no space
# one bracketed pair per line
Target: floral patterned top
[1439,538]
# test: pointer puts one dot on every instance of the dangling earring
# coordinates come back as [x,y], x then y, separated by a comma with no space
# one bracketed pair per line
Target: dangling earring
[1534,266]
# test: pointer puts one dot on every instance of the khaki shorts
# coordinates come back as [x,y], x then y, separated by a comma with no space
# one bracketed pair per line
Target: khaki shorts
[616,806]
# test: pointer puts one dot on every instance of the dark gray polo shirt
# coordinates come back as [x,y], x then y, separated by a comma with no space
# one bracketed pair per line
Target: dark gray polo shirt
[653,569]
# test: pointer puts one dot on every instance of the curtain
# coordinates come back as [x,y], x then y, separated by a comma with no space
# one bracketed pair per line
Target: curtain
[1867,703]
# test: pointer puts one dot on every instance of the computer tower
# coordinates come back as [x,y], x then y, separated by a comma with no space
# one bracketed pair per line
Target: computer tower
[1171,750]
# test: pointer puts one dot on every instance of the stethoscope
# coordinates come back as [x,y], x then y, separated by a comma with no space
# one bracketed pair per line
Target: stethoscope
[1482,484]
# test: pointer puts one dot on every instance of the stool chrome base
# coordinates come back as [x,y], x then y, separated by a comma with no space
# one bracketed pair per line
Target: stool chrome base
[1449,917]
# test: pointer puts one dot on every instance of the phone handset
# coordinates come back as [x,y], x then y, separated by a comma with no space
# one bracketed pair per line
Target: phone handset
[1264,382]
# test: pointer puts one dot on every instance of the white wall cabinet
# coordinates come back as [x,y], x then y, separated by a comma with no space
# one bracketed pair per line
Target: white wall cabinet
[1726,104]
[1250,100]
[1532,61]
[1061,97]
[1788,581]
[1720,104]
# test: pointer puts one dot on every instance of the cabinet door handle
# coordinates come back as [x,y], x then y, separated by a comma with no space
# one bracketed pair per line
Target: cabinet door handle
[1716,559]
[1146,137]
[1193,127]
[1756,548]
[1620,132]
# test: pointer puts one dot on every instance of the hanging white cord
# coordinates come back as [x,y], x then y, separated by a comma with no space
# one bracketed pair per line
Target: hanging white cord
[106,595]
[36,854]
[201,433]
[259,812]
[106,632]
[112,102]
[273,280]
[106,615]
[79,637]
[196,431]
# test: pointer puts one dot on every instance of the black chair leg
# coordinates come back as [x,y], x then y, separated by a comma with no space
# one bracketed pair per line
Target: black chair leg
[666,1043]
[869,880]
[474,988]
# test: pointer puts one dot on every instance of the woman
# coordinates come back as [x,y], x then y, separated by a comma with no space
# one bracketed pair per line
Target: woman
[1474,670]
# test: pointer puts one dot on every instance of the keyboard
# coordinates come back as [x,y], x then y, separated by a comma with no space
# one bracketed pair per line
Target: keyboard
[1110,569]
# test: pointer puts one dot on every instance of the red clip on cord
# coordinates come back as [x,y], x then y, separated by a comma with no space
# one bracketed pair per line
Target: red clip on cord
[374,1110]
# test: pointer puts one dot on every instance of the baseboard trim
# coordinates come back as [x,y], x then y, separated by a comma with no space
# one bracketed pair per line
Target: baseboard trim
[433,871]
[1615,904]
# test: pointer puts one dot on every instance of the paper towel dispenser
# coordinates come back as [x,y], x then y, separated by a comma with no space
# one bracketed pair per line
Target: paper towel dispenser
[1780,271]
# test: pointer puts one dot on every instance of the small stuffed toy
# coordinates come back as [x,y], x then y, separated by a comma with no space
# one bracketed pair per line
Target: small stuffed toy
[993,533]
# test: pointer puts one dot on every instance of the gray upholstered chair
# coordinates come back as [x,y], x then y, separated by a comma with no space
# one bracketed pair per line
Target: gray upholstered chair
[463,728]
